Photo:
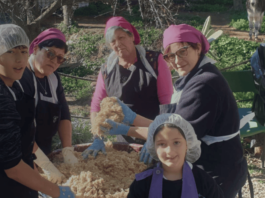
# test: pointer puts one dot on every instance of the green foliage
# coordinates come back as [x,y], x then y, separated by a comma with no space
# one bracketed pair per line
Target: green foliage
[78,88]
[208,8]
[80,134]
[134,16]
[244,100]
[87,45]
[93,9]
[150,36]
[194,21]
[69,30]
[231,50]
[240,22]
[254,169]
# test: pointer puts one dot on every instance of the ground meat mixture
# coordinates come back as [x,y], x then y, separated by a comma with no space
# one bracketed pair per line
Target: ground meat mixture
[107,176]
[109,108]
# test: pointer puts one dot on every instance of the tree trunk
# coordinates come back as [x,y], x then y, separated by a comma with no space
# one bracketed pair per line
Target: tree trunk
[238,5]
[67,14]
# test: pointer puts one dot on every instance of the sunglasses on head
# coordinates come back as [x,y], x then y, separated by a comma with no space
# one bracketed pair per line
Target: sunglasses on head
[182,52]
[52,55]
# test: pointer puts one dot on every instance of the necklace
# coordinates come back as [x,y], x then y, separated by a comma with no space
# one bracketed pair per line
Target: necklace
[45,92]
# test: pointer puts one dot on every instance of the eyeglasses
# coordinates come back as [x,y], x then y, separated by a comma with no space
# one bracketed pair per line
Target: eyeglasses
[52,55]
[182,52]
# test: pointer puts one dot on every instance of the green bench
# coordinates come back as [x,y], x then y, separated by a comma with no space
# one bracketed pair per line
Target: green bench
[242,81]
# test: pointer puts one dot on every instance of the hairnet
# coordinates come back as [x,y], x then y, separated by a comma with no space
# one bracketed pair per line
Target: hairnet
[12,36]
[193,144]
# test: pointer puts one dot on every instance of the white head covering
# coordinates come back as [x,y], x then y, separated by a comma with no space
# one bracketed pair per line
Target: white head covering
[193,144]
[12,36]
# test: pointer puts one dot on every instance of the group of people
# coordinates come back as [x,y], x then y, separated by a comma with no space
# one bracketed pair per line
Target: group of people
[192,145]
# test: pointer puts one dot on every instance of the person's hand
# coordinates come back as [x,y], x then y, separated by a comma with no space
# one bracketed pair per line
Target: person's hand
[129,115]
[98,145]
[145,156]
[65,192]
[116,128]
[68,155]
[53,174]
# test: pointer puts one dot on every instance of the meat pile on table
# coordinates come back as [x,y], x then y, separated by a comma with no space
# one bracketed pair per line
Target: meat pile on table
[107,176]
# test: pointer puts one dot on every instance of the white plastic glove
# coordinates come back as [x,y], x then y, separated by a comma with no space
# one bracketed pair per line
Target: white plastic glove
[69,156]
[53,174]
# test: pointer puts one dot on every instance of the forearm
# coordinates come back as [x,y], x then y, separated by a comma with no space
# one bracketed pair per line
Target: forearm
[141,121]
[138,132]
[24,174]
[65,133]
[93,116]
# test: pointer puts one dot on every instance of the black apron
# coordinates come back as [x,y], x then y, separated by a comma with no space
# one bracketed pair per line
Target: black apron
[9,187]
[230,174]
[48,116]
[136,87]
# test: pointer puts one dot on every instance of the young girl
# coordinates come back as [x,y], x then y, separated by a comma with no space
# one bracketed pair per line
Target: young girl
[173,143]
[17,130]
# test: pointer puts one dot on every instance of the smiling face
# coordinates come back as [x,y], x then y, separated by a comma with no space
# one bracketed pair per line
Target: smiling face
[171,148]
[13,64]
[122,44]
[44,66]
[185,64]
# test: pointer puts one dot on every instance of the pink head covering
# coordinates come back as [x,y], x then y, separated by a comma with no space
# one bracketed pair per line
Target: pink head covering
[184,33]
[51,33]
[120,21]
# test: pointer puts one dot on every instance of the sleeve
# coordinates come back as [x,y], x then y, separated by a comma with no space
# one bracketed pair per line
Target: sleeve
[199,105]
[210,188]
[138,190]
[99,94]
[65,113]
[164,82]
[10,136]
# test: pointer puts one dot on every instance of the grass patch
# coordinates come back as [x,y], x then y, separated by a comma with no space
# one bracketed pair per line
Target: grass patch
[239,21]
[254,169]
[231,50]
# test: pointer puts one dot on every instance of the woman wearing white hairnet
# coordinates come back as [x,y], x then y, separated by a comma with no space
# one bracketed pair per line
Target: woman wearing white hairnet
[173,143]
[18,179]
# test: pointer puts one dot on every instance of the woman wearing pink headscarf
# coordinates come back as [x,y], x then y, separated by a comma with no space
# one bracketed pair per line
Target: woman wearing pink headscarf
[205,100]
[138,77]
[40,80]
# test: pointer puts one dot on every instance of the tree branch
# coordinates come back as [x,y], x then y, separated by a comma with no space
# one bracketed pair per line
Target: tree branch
[53,7]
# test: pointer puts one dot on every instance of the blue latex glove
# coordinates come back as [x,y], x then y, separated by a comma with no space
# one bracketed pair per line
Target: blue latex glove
[65,192]
[98,145]
[116,128]
[129,115]
[145,156]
